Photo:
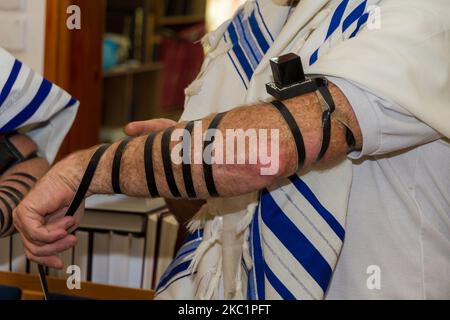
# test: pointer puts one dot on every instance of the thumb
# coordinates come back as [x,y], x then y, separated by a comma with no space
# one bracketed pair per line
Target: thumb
[138,128]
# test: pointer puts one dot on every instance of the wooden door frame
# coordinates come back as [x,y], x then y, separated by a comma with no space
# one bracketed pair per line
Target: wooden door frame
[73,61]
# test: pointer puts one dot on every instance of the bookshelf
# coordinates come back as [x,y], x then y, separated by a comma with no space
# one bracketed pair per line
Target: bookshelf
[137,90]
[180,20]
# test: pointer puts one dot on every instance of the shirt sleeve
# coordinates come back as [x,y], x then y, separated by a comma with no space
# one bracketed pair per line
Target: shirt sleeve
[386,127]
[33,105]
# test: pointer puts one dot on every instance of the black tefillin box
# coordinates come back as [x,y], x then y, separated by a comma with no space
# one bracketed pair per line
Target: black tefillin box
[289,78]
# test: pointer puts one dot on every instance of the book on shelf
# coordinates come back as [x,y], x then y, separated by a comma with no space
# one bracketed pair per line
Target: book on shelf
[81,253]
[167,237]
[119,251]
[182,56]
[100,257]
[18,259]
[136,261]
[150,251]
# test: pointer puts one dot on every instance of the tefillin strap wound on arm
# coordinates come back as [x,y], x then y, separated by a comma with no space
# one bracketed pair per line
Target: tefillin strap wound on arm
[167,163]
[295,130]
[115,174]
[207,165]
[289,82]
[328,107]
[76,202]
[148,163]
[9,155]
[187,158]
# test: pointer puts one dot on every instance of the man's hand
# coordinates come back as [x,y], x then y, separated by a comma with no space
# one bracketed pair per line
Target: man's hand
[139,128]
[40,217]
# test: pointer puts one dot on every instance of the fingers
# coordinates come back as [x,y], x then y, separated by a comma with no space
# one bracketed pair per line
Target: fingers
[52,249]
[144,127]
[36,231]
[51,262]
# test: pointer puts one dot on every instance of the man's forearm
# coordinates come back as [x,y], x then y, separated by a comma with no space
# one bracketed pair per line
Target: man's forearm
[231,178]
[14,186]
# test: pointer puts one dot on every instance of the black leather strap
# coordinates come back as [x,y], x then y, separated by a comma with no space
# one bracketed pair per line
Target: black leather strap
[9,155]
[2,221]
[9,213]
[86,180]
[148,162]
[11,196]
[115,173]
[167,163]
[25,175]
[186,166]
[76,202]
[19,195]
[350,138]
[296,133]
[207,167]
[18,181]
[328,108]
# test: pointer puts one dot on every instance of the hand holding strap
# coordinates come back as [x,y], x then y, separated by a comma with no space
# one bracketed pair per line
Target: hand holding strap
[76,202]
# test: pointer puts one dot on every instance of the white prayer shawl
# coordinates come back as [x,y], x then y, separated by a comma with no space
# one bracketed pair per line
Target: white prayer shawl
[33,105]
[407,61]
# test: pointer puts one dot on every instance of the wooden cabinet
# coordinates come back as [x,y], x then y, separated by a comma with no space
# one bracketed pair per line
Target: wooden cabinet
[73,60]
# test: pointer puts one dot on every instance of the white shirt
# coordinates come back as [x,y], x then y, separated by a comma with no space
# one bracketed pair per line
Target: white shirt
[399,208]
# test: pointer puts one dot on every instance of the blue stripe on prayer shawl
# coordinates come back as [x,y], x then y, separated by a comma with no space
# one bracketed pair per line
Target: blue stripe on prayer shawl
[258,260]
[245,43]
[30,109]
[234,65]
[175,264]
[354,15]
[337,18]
[262,19]
[259,52]
[191,244]
[194,235]
[278,285]
[295,241]
[314,57]
[312,199]
[186,250]
[258,34]
[361,21]
[71,103]
[251,279]
[10,82]
[166,278]
[239,53]
[170,283]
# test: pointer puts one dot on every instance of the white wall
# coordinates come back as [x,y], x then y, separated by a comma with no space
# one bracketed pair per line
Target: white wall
[22,30]
[218,11]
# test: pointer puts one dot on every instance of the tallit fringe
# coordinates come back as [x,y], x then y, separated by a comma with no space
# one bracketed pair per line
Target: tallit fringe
[244,226]
[238,294]
[198,220]
[205,245]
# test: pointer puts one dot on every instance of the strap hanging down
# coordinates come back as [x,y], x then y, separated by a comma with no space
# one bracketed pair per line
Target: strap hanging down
[328,108]
[76,201]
